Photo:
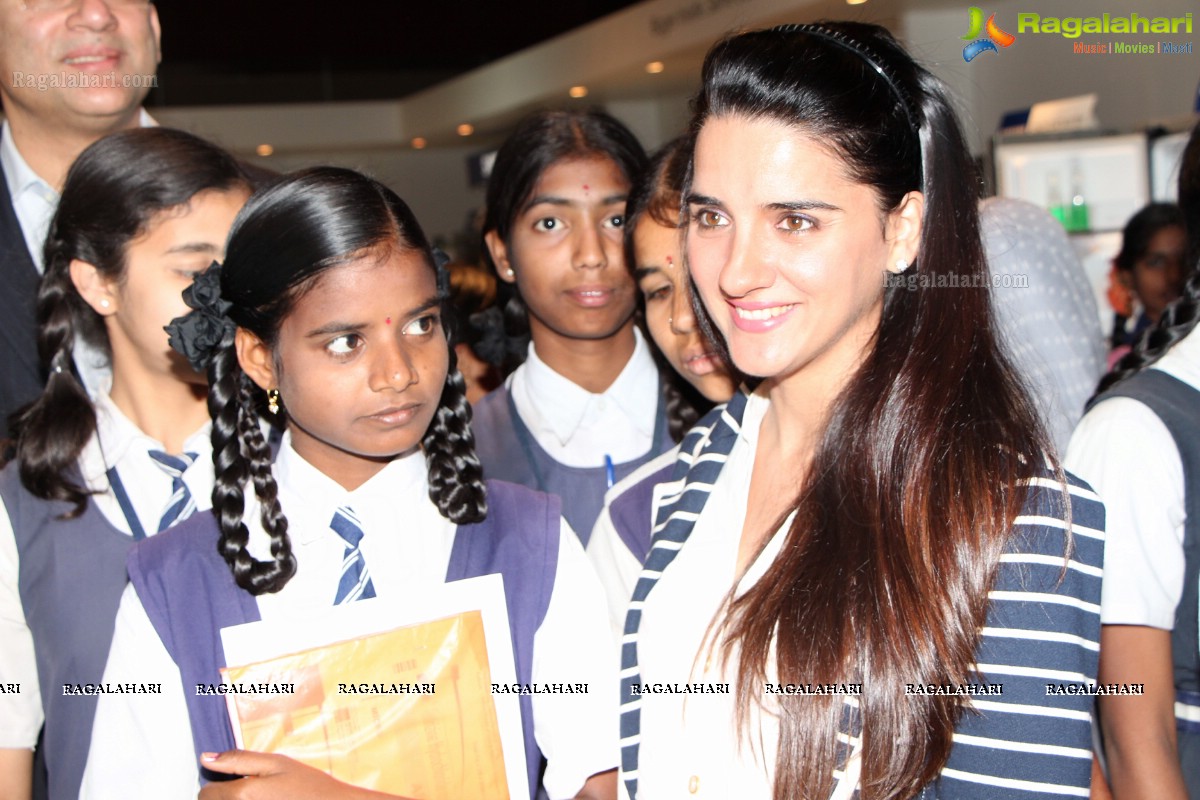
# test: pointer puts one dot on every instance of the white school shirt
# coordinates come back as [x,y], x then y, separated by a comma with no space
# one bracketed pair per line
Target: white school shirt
[142,744]
[120,443]
[690,745]
[1125,452]
[615,564]
[578,428]
[34,202]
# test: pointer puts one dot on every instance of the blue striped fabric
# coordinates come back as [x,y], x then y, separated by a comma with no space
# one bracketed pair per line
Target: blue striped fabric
[1043,629]
[181,503]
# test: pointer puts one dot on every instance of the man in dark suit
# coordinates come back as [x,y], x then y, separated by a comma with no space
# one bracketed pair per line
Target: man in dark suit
[71,71]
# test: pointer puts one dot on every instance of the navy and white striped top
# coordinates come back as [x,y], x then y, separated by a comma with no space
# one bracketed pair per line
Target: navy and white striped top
[1041,640]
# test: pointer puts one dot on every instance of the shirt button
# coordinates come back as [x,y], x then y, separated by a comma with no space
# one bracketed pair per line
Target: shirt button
[694,784]
[602,404]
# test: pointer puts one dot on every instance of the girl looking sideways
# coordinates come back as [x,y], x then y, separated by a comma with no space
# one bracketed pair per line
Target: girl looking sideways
[329,309]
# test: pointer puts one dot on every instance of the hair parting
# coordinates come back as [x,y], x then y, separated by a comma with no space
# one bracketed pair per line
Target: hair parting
[540,141]
[282,241]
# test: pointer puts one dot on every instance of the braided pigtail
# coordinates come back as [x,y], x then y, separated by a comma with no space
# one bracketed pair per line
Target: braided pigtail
[682,410]
[455,476]
[1178,320]
[241,455]
[53,430]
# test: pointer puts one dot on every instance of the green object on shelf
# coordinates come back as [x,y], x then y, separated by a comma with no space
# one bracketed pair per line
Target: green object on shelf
[1077,216]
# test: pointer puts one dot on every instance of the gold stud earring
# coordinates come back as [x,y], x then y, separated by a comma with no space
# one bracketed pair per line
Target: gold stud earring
[273,401]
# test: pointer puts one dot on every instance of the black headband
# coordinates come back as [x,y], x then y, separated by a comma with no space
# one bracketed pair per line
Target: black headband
[875,62]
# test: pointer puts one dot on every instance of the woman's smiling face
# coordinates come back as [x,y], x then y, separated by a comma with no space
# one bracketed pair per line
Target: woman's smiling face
[787,252]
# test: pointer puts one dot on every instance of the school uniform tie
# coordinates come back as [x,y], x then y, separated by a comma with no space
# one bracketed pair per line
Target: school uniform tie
[355,583]
[182,504]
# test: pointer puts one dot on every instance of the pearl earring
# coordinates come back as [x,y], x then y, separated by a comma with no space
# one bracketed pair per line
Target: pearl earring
[509,272]
[901,265]
[104,303]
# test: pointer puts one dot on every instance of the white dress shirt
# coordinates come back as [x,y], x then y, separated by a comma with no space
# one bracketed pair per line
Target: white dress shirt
[616,566]
[690,744]
[120,443]
[1125,452]
[142,744]
[34,202]
[578,428]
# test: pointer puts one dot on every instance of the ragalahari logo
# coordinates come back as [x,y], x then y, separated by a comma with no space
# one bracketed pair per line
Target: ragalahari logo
[995,36]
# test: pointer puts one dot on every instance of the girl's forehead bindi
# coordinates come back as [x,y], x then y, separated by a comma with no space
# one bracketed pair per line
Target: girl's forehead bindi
[387,321]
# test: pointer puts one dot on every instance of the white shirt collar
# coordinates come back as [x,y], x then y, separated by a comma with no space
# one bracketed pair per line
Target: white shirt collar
[20,176]
[117,437]
[752,417]
[563,404]
[313,497]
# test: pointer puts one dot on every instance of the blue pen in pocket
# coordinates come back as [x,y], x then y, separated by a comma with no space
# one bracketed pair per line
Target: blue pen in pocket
[609,472]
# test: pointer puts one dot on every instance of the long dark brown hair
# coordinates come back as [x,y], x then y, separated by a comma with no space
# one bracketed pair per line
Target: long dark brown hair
[883,578]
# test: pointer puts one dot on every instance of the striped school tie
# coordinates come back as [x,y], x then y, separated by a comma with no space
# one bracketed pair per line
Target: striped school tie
[181,505]
[355,583]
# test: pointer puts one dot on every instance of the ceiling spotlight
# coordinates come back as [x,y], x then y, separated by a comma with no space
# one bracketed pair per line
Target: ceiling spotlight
[264,150]
[655,67]
[466,129]
[855,2]
[578,91]
[419,143]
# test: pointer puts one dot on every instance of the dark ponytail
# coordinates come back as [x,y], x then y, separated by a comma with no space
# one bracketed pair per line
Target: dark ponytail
[455,474]
[241,455]
[112,194]
[284,238]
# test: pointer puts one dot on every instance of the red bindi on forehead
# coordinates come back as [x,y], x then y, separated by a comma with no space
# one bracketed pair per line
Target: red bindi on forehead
[387,321]
[670,260]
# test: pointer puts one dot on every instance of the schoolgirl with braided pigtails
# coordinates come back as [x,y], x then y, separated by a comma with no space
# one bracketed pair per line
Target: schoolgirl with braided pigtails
[330,313]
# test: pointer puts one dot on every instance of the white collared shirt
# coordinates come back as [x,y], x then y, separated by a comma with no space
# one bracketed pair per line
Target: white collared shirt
[1126,453]
[33,199]
[120,443]
[690,744]
[34,202]
[143,743]
[578,428]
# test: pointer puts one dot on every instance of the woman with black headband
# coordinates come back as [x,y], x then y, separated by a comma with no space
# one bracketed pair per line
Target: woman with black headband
[868,578]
